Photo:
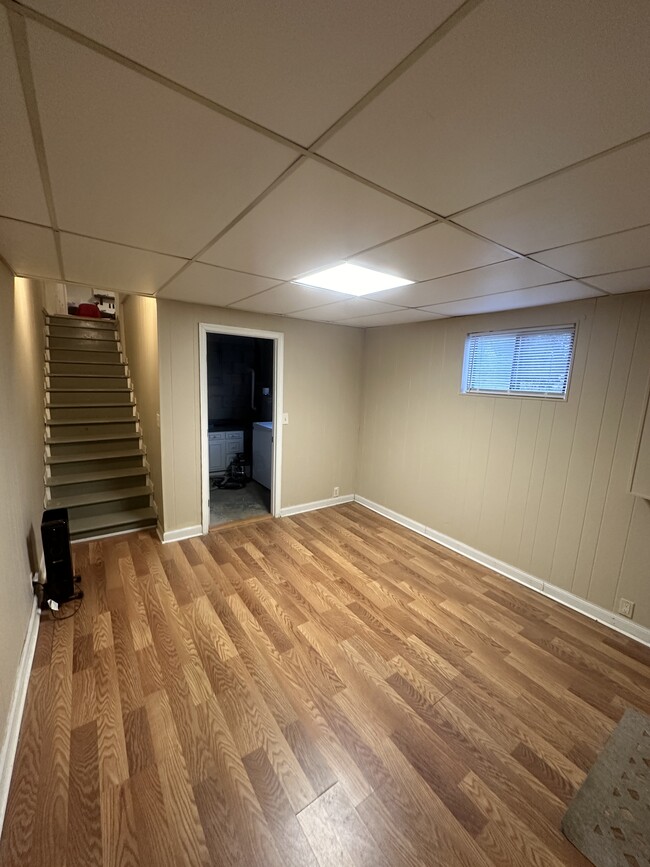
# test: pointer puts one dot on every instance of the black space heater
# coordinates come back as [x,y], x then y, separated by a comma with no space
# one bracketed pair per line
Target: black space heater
[60,578]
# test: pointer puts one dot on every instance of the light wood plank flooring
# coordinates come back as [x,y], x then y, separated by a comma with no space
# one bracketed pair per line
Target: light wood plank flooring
[327,689]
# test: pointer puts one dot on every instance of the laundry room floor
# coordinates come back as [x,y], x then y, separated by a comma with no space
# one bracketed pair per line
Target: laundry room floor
[235,505]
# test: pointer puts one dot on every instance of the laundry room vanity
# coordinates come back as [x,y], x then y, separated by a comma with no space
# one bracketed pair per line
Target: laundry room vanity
[223,446]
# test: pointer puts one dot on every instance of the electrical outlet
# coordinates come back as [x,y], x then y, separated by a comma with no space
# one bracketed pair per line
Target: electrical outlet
[625,607]
[336,491]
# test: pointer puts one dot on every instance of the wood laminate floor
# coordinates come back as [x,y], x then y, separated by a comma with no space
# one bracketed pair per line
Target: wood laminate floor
[327,689]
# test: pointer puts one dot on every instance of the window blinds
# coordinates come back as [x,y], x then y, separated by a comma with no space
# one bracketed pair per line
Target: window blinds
[531,361]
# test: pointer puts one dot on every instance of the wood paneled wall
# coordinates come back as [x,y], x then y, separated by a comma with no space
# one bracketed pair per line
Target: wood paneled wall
[139,332]
[540,484]
[21,467]
[322,375]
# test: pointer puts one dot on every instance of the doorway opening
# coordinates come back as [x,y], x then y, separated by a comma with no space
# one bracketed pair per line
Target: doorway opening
[241,385]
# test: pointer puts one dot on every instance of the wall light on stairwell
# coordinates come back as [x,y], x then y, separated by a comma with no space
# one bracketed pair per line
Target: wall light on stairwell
[352,280]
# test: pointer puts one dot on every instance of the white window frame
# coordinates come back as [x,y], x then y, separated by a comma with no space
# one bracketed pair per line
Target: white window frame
[539,395]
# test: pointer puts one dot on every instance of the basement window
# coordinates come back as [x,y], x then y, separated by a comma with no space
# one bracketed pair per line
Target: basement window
[528,362]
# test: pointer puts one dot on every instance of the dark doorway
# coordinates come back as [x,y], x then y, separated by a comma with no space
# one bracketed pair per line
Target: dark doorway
[240,426]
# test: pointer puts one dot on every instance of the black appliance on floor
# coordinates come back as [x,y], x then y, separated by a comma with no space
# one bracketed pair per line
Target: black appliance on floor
[60,578]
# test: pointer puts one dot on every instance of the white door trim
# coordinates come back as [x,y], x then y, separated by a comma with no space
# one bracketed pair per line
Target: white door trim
[277,337]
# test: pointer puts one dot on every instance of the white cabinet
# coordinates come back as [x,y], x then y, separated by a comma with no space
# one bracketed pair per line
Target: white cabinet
[234,444]
[217,454]
[223,446]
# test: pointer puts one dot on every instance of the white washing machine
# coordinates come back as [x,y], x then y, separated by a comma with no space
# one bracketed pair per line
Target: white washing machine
[263,452]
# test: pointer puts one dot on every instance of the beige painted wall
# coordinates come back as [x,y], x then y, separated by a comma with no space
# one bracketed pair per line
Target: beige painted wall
[542,485]
[55,298]
[322,365]
[139,332]
[21,467]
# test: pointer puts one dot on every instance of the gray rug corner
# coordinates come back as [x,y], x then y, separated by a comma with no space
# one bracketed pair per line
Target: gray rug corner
[609,818]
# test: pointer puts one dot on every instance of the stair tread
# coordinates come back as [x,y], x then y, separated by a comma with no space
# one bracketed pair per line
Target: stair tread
[89,375]
[97,476]
[87,347]
[68,317]
[89,405]
[93,456]
[113,340]
[85,326]
[90,390]
[77,421]
[111,520]
[67,361]
[72,327]
[91,438]
[85,357]
[99,497]
[111,333]
[83,349]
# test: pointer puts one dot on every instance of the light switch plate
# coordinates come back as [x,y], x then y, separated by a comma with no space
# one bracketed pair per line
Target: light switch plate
[285,418]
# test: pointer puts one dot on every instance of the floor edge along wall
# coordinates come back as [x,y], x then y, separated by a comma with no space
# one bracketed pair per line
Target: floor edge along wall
[569,600]
[16,708]
[608,618]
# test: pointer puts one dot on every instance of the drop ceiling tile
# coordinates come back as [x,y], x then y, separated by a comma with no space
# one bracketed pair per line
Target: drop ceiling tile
[399,317]
[511,93]
[314,218]
[635,280]
[29,250]
[113,266]
[623,250]
[344,310]
[288,298]
[432,252]
[290,66]
[607,194]
[135,162]
[538,296]
[21,191]
[207,284]
[500,277]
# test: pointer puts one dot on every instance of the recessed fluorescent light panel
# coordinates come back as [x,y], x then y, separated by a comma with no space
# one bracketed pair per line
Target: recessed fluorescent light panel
[352,280]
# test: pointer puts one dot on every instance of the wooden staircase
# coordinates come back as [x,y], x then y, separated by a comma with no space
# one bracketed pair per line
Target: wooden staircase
[95,461]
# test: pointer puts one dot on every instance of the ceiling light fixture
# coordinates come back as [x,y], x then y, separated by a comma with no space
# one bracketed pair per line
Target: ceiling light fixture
[352,280]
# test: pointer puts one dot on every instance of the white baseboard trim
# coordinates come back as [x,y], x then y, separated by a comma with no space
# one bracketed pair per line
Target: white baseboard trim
[14,719]
[179,535]
[317,504]
[609,618]
[570,600]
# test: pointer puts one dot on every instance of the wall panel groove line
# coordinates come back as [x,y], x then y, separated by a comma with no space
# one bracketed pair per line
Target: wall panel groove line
[324,688]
